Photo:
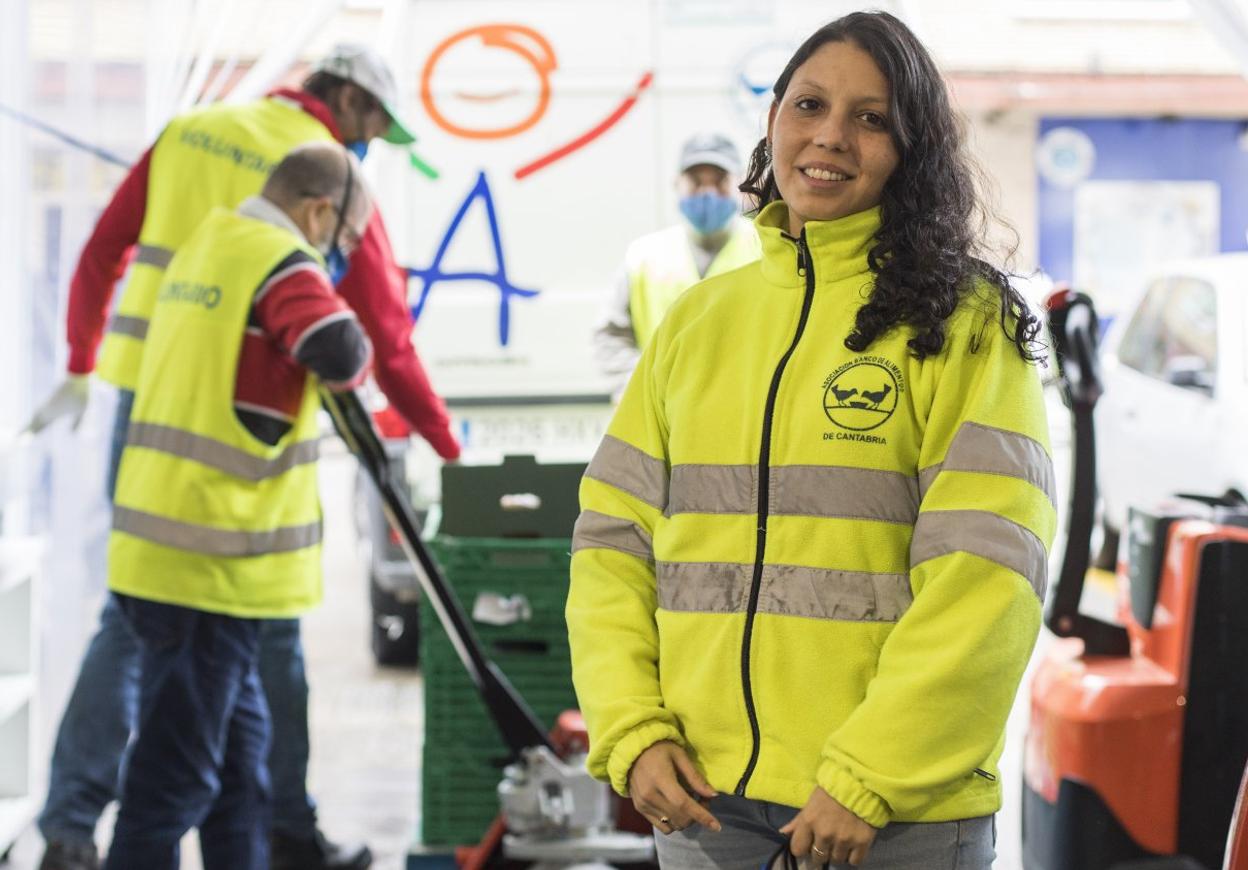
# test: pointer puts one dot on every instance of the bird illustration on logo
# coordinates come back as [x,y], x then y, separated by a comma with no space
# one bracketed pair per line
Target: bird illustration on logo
[860,396]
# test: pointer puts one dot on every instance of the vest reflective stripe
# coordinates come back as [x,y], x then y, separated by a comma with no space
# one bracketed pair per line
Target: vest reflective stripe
[154,255]
[210,157]
[786,590]
[136,327]
[226,543]
[623,466]
[926,478]
[985,450]
[223,457]
[796,490]
[661,267]
[595,530]
[983,534]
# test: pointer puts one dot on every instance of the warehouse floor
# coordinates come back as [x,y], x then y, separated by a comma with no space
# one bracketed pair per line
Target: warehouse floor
[366,721]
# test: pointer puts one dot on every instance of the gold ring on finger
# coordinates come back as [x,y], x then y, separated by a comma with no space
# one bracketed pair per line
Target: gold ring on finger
[818,851]
[664,820]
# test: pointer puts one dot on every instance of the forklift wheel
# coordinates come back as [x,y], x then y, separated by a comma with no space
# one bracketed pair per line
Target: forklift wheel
[395,628]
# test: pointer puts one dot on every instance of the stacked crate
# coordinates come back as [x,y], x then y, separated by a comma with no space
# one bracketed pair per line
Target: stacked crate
[463,754]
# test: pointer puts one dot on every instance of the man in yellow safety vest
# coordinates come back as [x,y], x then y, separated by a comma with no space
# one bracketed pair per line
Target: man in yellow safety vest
[658,267]
[217,523]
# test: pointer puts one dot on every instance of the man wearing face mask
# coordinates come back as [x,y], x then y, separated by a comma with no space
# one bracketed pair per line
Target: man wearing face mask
[218,156]
[658,267]
[245,330]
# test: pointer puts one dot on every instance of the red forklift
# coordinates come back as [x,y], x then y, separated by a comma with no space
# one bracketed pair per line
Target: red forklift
[1136,751]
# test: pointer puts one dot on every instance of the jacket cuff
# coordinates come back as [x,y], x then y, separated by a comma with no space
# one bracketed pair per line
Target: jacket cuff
[81,361]
[446,446]
[850,793]
[637,741]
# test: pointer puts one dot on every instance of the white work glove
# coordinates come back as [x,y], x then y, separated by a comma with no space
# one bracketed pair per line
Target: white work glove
[67,400]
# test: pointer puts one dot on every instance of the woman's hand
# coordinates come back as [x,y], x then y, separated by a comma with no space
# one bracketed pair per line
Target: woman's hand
[828,832]
[655,783]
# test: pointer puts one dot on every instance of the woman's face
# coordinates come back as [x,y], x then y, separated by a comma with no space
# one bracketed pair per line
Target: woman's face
[829,133]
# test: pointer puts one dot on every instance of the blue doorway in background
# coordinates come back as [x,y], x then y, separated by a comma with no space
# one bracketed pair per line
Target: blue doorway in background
[1144,150]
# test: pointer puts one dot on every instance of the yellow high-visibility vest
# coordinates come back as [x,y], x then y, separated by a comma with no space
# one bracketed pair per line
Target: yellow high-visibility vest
[207,516]
[210,157]
[660,267]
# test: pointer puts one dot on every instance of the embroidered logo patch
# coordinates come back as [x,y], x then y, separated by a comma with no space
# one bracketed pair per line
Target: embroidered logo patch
[862,394]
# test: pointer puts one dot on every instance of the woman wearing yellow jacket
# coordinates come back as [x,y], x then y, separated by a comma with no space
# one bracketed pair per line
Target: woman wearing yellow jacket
[808,571]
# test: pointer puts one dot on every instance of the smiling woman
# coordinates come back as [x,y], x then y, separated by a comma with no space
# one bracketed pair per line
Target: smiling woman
[831,143]
[808,569]
[861,118]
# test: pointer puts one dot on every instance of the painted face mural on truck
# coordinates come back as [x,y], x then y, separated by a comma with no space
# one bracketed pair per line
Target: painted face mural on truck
[491,116]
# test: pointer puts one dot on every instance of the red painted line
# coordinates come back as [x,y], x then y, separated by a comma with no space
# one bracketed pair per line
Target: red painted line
[589,135]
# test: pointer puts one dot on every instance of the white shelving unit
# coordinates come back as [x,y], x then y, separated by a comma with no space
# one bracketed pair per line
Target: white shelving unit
[20,560]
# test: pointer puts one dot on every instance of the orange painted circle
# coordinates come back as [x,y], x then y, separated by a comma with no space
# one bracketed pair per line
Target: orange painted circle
[497,36]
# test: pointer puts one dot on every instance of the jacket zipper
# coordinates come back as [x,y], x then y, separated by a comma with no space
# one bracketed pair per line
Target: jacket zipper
[806,269]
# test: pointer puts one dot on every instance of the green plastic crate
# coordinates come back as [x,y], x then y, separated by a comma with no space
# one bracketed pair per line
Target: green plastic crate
[463,752]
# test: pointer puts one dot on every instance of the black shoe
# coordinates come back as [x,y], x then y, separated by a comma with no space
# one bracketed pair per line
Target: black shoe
[60,855]
[316,853]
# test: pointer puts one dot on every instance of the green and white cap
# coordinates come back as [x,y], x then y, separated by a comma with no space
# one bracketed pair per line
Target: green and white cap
[362,66]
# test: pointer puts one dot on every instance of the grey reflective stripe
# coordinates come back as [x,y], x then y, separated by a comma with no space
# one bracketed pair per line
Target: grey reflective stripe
[218,455]
[820,593]
[796,490]
[212,541]
[154,255]
[714,489]
[135,327]
[926,478]
[601,531]
[985,534]
[704,587]
[787,590]
[986,450]
[851,493]
[620,464]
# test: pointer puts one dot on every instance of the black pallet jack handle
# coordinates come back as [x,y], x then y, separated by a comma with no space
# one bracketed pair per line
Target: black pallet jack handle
[515,720]
[1073,327]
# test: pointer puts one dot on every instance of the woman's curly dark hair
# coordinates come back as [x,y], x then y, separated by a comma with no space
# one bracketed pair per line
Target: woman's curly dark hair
[925,253]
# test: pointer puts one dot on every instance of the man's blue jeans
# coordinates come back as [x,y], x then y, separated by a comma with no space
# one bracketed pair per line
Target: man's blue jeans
[103,708]
[198,759]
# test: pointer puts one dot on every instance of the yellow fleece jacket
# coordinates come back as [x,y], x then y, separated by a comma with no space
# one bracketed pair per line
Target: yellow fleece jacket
[808,565]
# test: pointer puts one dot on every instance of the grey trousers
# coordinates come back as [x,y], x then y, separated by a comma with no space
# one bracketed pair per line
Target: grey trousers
[749,840]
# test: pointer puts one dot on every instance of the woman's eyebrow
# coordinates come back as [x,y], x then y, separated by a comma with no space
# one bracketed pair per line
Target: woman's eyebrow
[811,85]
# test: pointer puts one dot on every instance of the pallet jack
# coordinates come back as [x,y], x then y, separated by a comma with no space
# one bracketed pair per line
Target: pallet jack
[1138,736]
[553,814]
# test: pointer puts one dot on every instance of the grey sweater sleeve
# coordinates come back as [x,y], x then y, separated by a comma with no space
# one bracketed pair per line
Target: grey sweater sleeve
[615,343]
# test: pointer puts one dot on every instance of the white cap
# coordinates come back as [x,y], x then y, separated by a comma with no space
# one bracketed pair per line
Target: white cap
[362,66]
[710,149]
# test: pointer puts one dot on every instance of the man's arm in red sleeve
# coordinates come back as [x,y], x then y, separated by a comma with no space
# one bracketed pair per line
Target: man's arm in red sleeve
[376,291]
[101,264]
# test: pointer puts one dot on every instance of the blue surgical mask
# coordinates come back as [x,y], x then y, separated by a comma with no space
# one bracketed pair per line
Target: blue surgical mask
[336,264]
[359,148]
[708,212]
[335,261]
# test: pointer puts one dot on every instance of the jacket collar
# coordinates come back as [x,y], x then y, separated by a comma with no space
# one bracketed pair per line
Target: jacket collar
[838,249]
[309,104]
[261,209]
